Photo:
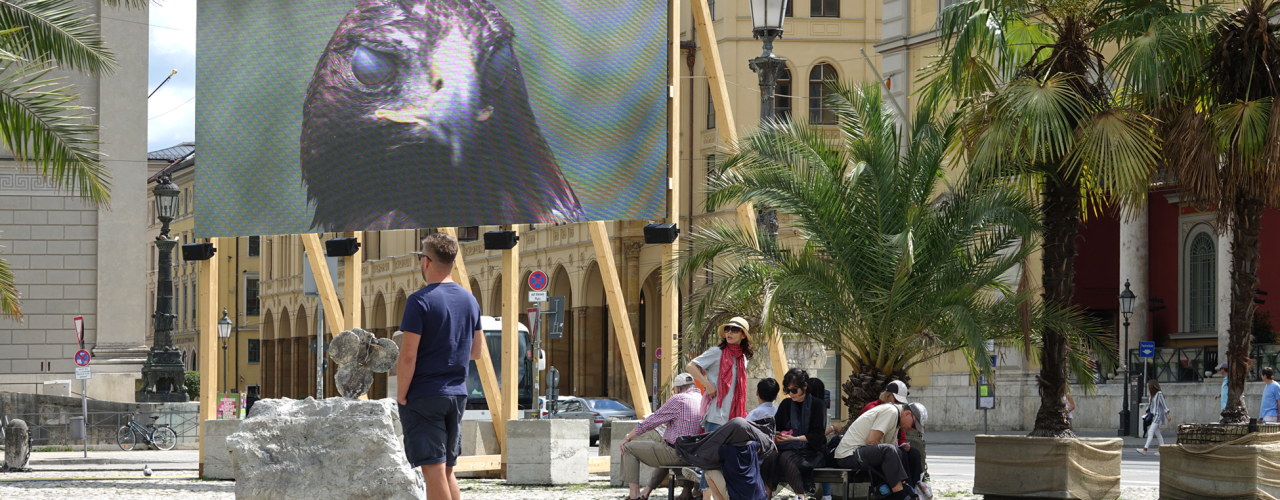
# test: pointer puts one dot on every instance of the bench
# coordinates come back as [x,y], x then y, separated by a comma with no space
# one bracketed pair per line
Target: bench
[844,477]
[672,472]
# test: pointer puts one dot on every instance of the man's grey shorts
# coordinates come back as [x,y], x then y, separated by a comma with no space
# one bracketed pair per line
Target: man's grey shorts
[432,429]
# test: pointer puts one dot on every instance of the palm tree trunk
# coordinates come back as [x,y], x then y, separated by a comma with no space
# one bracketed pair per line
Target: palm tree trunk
[1246,226]
[1061,205]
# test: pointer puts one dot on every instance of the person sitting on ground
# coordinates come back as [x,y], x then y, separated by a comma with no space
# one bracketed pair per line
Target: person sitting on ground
[802,446]
[766,392]
[682,416]
[868,445]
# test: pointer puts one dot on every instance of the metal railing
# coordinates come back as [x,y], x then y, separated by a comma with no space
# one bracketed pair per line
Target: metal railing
[54,429]
[1189,364]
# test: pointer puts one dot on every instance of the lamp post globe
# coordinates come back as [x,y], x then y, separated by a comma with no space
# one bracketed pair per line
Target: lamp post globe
[767,17]
[224,332]
[1127,298]
[163,374]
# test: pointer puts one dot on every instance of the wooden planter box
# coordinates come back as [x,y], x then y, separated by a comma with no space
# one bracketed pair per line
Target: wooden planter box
[1019,466]
[1221,471]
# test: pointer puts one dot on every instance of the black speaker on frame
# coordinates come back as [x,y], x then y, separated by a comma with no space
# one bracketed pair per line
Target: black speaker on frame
[500,240]
[341,247]
[198,251]
[661,233]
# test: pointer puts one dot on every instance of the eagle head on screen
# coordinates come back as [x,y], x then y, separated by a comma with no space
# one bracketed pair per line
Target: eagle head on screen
[417,116]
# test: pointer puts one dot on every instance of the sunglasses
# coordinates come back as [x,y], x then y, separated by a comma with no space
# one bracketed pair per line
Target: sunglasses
[792,390]
[732,329]
[422,255]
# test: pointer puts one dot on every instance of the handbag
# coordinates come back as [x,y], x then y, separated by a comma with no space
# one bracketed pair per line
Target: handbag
[1147,419]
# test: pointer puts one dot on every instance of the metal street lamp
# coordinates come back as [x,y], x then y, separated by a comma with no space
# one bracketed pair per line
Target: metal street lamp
[224,332]
[1127,299]
[767,17]
[163,374]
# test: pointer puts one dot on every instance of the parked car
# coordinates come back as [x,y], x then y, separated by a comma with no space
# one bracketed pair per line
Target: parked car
[597,410]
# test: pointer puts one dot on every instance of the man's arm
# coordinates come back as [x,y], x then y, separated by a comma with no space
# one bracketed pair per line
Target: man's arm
[874,437]
[405,364]
[477,345]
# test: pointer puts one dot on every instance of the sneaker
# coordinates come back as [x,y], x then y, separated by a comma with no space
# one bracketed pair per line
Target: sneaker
[826,497]
[691,474]
[1142,450]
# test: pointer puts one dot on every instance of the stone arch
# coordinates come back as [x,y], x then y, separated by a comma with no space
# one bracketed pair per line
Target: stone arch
[592,373]
[650,322]
[303,360]
[561,352]
[267,325]
[378,327]
[397,313]
[495,297]
[475,292]
[281,374]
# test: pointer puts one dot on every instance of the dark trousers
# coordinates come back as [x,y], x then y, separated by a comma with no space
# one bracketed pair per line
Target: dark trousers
[886,458]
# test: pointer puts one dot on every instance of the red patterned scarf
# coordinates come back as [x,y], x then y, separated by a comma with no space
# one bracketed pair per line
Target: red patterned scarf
[730,357]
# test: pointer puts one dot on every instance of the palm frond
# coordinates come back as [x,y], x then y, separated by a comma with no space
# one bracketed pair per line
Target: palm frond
[58,31]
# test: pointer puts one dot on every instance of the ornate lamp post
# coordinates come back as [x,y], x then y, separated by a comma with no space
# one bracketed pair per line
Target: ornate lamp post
[1126,308]
[224,332]
[766,19]
[164,375]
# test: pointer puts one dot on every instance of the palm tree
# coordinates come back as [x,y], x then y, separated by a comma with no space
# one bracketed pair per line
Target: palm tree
[894,265]
[40,122]
[1215,96]
[1041,111]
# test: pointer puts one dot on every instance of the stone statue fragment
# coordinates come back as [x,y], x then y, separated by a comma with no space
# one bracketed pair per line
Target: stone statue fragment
[359,355]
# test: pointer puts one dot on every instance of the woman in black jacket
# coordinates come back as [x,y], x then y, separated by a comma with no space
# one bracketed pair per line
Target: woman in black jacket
[801,422]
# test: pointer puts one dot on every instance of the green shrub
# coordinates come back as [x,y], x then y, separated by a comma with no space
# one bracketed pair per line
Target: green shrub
[193,385]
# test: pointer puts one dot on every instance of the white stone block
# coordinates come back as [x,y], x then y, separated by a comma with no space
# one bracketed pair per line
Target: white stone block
[547,452]
[217,458]
[620,430]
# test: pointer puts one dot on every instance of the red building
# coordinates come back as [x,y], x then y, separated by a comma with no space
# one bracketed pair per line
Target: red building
[1170,251]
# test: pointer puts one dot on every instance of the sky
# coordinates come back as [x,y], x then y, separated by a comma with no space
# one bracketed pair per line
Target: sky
[171,112]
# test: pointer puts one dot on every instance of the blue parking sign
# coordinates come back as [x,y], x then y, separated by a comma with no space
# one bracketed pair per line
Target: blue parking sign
[1146,349]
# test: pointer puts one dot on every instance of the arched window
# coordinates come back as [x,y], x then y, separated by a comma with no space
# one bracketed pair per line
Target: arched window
[1201,282]
[824,8]
[711,109]
[782,95]
[819,113]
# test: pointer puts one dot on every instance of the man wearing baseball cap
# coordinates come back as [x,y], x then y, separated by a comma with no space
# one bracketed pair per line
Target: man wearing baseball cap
[870,444]
[682,414]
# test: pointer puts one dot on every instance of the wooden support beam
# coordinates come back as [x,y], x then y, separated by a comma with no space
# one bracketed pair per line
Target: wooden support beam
[484,365]
[597,465]
[477,463]
[207,304]
[511,355]
[621,325]
[670,290]
[328,296]
[728,136]
[353,285]
[715,71]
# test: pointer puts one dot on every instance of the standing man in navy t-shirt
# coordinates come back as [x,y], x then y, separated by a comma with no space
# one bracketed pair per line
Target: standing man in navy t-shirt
[442,333]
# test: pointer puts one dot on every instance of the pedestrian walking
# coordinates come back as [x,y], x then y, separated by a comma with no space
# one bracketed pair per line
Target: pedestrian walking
[442,334]
[1222,368]
[1157,414]
[1270,411]
[682,416]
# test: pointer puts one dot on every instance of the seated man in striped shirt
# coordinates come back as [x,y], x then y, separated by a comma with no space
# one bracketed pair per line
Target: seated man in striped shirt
[682,414]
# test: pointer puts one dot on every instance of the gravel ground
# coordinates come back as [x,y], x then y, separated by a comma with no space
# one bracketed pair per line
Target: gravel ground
[89,485]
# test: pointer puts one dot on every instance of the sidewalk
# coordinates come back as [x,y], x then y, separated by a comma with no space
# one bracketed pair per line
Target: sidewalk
[966,437]
[173,460]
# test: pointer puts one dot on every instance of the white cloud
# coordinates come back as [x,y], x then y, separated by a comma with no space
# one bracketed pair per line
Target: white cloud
[171,112]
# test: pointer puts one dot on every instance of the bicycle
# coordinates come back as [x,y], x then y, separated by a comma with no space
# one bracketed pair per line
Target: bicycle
[160,436]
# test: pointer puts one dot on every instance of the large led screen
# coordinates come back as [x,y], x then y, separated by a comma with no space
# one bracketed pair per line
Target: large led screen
[345,115]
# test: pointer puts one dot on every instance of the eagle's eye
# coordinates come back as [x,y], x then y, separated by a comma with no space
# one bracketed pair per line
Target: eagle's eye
[371,67]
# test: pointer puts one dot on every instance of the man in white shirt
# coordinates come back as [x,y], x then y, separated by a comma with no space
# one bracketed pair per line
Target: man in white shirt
[766,392]
[870,444]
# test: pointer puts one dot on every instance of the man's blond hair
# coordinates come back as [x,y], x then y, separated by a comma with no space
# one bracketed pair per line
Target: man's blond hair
[440,247]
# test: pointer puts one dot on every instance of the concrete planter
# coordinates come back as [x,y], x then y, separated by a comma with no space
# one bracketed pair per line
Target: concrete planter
[1228,471]
[1018,466]
[217,457]
[547,452]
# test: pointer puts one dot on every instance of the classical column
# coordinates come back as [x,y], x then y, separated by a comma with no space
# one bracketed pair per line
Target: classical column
[1135,266]
[578,350]
[631,248]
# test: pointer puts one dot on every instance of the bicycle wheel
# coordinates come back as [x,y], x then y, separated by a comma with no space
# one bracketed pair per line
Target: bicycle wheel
[164,438]
[125,438]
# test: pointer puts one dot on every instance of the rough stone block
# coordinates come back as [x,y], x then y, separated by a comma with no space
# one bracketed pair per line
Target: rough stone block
[1086,469]
[9,202]
[45,292]
[478,438]
[618,433]
[47,203]
[333,449]
[17,445]
[9,232]
[30,247]
[47,233]
[46,261]
[217,458]
[33,217]
[547,452]
[64,218]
